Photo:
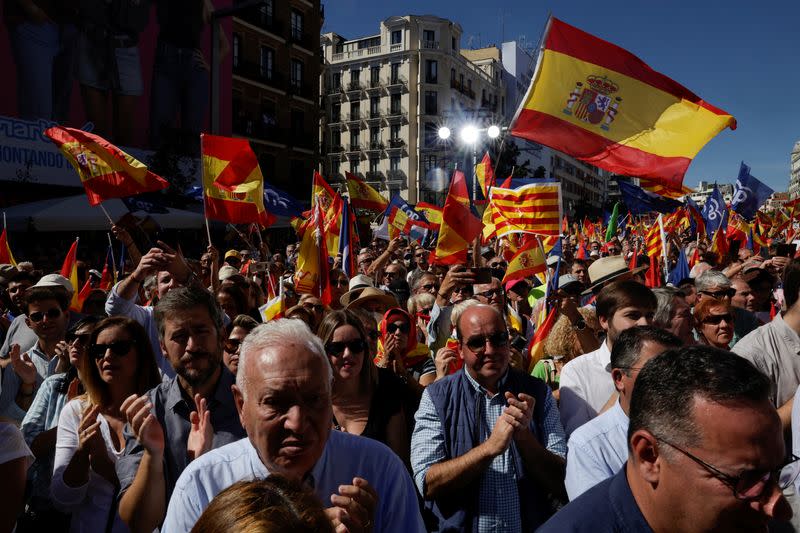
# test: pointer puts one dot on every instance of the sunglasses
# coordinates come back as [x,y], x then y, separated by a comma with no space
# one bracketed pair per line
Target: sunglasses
[725,293]
[337,348]
[318,308]
[491,293]
[429,286]
[464,289]
[52,314]
[83,338]
[717,319]
[477,344]
[120,348]
[499,264]
[232,345]
[402,327]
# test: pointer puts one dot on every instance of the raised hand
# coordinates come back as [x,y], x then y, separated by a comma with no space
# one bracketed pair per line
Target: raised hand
[353,507]
[22,365]
[201,436]
[144,424]
[90,439]
[444,357]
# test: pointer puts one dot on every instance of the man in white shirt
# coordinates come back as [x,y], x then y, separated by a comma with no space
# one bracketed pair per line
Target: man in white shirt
[599,448]
[585,385]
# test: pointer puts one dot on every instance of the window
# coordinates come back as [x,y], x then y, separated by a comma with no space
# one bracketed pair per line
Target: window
[374,106]
[395,72]
[355,137]
[355,110]
[265,11]
[266,61]
[269,113]
[394,163]
[429,38]
[297,73]
[298,122]
[431,71]
[469,85]
[374,135]
[354,75]
[336,80]
[452,75]
[429,162]
[237,50]
[431,103]
[483,95]
[431,134]
[335,167]
[394,132]
[354,166]
[397,36]
[336,112]
[336,138]
[375,76]
[394,104]
[453,43]
[461,81]
[373,165]
[297,25]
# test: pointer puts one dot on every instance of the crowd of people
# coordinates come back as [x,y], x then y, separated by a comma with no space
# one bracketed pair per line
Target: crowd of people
[411,401]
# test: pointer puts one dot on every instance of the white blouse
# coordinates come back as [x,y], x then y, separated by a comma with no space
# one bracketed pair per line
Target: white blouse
[90,503]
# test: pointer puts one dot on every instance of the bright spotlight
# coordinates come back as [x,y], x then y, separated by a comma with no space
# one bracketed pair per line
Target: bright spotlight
[493,132]
[469,134]
[444,133]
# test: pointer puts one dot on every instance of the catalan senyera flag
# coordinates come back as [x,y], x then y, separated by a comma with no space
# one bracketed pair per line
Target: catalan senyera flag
[533,208]
[668,191]
[233,186]
[485,174]
[528,261]
[105,170]
[6,257]
[601,104]
[460,224]
[362,196]
[69,269]
[432,213]
[653,243]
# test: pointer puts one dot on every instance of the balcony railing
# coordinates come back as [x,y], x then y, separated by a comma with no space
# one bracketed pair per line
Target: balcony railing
[336,149]
[395,144]
[258,129]
[301,139]
[300,38]
[258,73]
[396,178]
[395,113]
[354,116]
[374,177]
[299,89]
[354,86]
[430,45]
[396,82]
[374,115]
[374,85]
[258,18]
[375,147]
[354,147]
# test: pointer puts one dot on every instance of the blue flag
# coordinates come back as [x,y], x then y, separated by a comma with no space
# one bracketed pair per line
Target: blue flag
[345,246]
[138,204]
[714,212]
[681,270]
[281,203]
[417,233]
[641,202]
[749,194]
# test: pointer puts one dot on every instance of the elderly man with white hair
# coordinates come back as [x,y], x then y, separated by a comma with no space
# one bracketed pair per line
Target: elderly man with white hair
[283,395]
[715,284]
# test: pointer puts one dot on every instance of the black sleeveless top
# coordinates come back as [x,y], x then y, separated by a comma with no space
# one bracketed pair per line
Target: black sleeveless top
[387,401]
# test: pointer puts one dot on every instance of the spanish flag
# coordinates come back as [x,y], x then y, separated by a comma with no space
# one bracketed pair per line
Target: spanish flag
[533,208]
[656,187]
[536,346]
[460,224]
[105,170]
[331,203]
[485,174]
[6,257]
[432,213]
[363,196]
[527,262]
[233,186]
[69,269]
[601,104]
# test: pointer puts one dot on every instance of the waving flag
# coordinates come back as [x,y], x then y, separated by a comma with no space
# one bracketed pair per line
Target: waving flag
[281,203]
[69,269]
[528,261]
[105,170]
[362,196]
[656,187]
[641,202]
[347,241]
[536,346]
[232,182]
[749,194]
[696,222]
[534,208]
[601,104]
[714,212]
[404,219]
[611,231]
[460,224]
[6,257]
[485,174]
[432,213]
[681,270]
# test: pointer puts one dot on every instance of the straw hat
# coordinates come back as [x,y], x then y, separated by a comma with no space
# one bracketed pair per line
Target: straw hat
[358,297]
[609,268]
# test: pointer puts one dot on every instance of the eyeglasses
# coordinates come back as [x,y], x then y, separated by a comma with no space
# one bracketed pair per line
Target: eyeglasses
[477,344]
[83,338]
[499,264]
[429,286]
[52,314]
[317,308]
[402,327]
[717,319]
[749,485]
[232,345]
[420,255]
[724,293]
[337,348]
[120,348]
[463,289]
[490,293]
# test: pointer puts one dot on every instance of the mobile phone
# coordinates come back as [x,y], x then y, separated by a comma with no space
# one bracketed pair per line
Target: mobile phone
[786,249]
[482,275]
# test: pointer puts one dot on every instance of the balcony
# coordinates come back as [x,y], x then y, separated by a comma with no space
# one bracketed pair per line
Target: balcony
[335,119]
[374,86]
[299,89]
[303,140]
[336,149]
[354,87]
[375,180]
[353,148]
[396,179]
[395,114]
[300,39]
[430,45]
[255,72]
[254,128]
[455,84]
[396,144]
[258,18]
[354,116]
[374,147]
[361,52]
[374,117]
[396,83]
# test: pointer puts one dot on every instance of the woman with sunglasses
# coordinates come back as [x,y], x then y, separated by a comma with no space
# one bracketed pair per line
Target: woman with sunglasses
[40,425]
[240,327]
[367,400]
[399,351]
[714,322]
[90,437]
[420,306]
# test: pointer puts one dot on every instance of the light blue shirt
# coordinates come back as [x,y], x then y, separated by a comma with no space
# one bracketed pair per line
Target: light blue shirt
[596,451]
[498,505]
[345,456]
[45,367]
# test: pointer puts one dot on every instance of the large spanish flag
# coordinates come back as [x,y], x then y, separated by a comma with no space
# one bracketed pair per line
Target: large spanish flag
[362,196]
[105,170]
[601,104]
[233,186]
[533,208]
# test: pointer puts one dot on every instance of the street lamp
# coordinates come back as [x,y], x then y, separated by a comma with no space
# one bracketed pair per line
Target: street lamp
[444,133]
[469,135]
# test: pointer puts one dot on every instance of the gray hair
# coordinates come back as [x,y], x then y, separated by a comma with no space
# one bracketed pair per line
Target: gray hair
[459,308]
[710,279]
[274,336]
[183,299]
[665,298]
[420,301]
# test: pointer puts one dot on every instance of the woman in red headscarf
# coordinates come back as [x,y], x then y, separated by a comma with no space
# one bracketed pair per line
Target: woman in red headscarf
[399,350]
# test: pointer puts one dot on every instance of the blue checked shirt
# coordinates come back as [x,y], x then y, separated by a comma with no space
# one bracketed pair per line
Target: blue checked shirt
[499,505]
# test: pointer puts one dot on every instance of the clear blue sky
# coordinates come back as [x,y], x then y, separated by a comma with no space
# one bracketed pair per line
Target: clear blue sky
[741,56]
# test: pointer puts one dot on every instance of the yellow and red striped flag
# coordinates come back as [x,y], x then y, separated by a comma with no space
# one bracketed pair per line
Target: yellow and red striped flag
[363,196]
[6,257]
[653,243]
[105,170]
[528,261]
[233,186]
[69,269]
[536,346]
[273,309]
[533,208]
[601,104]
[661,189]
[460,224]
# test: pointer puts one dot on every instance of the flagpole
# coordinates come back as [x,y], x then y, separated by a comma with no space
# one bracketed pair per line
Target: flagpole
[208,230]
[111,249]
[101,207]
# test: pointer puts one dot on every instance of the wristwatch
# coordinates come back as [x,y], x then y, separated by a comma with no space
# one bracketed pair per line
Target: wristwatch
[579,325]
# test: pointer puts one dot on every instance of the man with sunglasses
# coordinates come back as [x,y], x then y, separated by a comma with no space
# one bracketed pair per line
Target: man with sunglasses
[420,258]
[715,284]
[706,453]
[47,316]
[488,447]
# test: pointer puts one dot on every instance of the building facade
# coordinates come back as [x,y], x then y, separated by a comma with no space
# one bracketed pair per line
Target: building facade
[705,188]
[275,89]
[385,97]
[794,172]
